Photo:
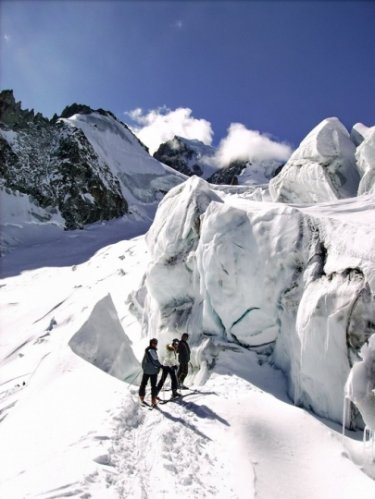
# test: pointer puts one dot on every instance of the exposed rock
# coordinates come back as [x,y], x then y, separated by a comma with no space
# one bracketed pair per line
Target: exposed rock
[186,156]
[56,165]
[229,174]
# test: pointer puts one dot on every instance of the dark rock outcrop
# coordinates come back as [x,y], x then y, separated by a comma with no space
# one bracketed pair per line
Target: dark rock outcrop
[181,155]
[56,165]
[229,174]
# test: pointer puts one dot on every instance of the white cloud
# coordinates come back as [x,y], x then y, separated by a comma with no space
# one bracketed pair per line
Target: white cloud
[249,145]
[162,124]
[6,38]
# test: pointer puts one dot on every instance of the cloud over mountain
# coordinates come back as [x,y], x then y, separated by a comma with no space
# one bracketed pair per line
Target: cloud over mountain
[249,145]
[156,126]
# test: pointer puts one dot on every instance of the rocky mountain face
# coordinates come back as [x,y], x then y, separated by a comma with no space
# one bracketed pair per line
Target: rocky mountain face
[329,164]
[186,156]
[192,157]
[228,175]
[56,166]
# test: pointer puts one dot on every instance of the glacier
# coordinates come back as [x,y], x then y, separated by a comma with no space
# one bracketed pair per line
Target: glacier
[365,156]
[260,274]
[321,169]
[360,386]
[275,285]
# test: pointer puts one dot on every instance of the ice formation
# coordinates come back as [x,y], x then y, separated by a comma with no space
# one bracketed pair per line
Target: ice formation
[261,273]
[102,341]
[321,169]
[365,156]
[360,387]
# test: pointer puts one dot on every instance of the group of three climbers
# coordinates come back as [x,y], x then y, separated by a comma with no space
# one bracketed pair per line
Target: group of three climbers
[177,354]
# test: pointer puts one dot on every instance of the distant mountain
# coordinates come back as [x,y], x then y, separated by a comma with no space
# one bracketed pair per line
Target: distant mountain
[192,157]
[329,164]
[83,167]
[86,166]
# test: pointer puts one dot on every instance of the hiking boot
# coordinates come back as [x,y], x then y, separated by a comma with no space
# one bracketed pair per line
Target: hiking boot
[184,387]
[154,401]
[141,398]
[176,394]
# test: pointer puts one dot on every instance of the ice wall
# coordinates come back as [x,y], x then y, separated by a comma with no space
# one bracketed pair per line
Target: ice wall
[102,342]
[321,169]
[248,256]
[365,156]
[360,387]
[260,273]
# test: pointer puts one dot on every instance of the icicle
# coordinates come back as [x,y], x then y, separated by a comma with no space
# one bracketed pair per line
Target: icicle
[369,443]
[345,414]
[365,433]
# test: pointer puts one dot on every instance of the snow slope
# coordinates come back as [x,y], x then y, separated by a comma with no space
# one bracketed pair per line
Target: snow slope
[143,179]
[72,340]
[77,177]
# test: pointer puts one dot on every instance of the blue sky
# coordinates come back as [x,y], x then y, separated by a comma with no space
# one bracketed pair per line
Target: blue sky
[277,67]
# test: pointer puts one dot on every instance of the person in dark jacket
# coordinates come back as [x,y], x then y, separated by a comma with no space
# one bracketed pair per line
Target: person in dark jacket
[183,359]
[151,367]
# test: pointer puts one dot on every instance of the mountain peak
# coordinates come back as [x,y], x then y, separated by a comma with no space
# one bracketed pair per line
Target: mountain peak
[75,108]
[11,113]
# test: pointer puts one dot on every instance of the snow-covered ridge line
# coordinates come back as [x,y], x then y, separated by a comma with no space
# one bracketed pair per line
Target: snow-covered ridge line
[259,273]
[74,171]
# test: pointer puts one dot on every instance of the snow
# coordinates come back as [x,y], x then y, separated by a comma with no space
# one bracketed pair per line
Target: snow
[200,154]
[22,222]
[143,181]
[360,387]
[365,156]
[321,169]
[260,273]
[358,133]
[142,177]
[9,135]
[102,342]
[271,295]
[75,431]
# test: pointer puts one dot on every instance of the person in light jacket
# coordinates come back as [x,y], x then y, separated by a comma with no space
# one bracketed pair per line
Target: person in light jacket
[170,367]
[151,367]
